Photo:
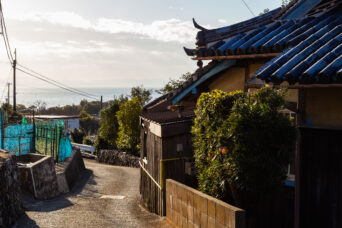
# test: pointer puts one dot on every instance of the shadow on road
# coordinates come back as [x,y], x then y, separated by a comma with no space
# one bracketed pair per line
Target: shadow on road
[26,222]
[62,201]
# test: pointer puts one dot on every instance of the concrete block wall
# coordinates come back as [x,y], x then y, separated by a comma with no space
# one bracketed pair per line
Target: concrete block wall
[187,207]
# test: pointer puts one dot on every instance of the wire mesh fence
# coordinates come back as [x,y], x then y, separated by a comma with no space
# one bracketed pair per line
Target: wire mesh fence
[43,137]
[48,138]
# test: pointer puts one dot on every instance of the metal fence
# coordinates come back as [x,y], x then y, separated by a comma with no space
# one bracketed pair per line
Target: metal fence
[44,137]
[48,139]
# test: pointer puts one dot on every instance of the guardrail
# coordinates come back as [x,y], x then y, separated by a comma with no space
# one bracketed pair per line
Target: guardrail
[84,147]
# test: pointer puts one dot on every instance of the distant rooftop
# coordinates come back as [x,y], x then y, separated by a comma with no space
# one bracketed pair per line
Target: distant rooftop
[54,117]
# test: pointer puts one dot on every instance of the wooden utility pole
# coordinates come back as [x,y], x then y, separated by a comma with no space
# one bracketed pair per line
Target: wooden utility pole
[14,81]
[8,92]
[101,103]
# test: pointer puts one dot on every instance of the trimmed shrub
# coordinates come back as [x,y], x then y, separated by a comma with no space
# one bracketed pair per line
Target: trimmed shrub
[242,142]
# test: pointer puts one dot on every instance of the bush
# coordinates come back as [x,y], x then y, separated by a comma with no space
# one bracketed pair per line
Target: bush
[242,142]
[77,135]
[88,123]
[100,144]
[88,141]
[129,130]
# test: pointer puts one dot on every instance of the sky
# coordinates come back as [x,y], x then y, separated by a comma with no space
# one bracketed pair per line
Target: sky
[111,43]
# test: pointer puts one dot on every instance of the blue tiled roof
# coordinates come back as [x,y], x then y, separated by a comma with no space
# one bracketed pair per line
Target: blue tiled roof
[307,35]
[314,56]
[273,36]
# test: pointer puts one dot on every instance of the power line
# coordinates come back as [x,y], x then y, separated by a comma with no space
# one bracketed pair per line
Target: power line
[248,8]
[8,48]
[33,73]
[3,91]
[5,36]
[47,78]
[52,83]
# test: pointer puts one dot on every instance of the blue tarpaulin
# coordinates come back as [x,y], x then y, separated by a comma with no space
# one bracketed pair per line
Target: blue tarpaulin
[48,137]
[19,139]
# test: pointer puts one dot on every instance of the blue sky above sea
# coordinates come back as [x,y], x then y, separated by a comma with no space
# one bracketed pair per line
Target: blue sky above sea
[55,97]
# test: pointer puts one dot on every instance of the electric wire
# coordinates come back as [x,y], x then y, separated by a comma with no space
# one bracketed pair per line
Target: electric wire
[248,8]
[32,72]
[3,91]
[47,78]
[52,83]
[5,36]
[8,48]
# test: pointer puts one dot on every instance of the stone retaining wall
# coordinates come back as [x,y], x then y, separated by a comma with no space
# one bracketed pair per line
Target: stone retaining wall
[69,172]
[10,197]
[38,176]
[187,207]
[114,157]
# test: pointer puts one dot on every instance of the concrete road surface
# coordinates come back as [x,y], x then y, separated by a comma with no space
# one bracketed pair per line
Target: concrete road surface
[106,196]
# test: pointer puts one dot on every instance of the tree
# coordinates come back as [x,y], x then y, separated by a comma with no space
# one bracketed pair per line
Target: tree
[77,135]
[174,83]
[242,143]
[39,106]
[88,123]
[108,132]
[144,95]
[129,130]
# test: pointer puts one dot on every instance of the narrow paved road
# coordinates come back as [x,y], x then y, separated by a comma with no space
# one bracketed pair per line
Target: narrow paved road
[106,196]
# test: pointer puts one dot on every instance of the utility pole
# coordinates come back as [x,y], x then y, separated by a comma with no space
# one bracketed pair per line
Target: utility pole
[14,81]
[101,103]
[8,91]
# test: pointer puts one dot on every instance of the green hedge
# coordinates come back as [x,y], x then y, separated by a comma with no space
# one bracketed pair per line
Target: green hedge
[242,142]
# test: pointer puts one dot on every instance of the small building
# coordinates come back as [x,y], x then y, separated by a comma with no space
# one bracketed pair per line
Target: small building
[166,152]
[70,122]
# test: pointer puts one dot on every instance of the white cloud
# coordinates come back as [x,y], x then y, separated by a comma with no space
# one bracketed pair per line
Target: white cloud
[62,18]
[171,30]
[223,21]
[175,8]
[68,48]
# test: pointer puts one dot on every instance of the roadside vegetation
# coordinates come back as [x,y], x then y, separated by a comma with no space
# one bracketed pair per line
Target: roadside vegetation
[242,144]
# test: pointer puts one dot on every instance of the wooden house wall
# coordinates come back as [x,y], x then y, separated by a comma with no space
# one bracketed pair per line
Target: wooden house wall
[323,106]
[230,80]
[151,194]
[320,178]
[162,151]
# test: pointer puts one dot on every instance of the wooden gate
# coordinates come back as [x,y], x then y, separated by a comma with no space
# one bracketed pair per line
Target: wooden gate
[321,178]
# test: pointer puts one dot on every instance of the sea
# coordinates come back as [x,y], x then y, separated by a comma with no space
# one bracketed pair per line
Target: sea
[58,97]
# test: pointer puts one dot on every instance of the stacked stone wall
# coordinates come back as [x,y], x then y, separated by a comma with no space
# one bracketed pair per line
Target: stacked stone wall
[10,196]
[114,157]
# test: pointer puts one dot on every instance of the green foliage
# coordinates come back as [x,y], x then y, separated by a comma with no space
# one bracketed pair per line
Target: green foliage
[101,144]
[144,95]
[109,126]
[77,136]
[88,141]
[129,131]
[174,83]
[7,108]
[88,123]
[242,140]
